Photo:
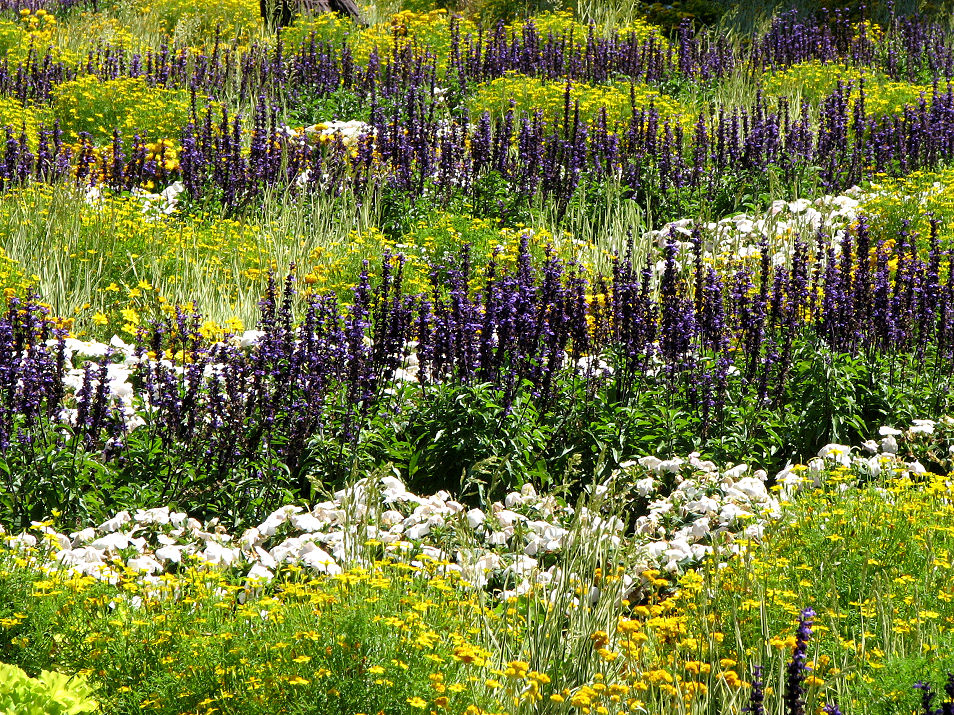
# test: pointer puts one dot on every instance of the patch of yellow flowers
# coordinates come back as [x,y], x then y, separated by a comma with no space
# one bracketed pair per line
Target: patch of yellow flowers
[815,80]
[530,94]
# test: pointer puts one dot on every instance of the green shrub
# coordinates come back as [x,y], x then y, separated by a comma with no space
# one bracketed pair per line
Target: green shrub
[50,693]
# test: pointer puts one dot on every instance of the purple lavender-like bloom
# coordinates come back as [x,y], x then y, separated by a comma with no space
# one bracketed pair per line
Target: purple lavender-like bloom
[677,324]
[756,704]
[797,668]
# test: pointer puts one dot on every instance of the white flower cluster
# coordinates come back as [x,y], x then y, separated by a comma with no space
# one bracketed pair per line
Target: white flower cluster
[514,545]
[119,388]
[154,206]
[739,236]
[323,538]
[690,508]
[696,509]
[165,203]
[349,131]
[82,356]
[872,459]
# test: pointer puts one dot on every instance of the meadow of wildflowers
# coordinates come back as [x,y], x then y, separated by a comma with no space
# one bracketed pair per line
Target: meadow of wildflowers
[480,358]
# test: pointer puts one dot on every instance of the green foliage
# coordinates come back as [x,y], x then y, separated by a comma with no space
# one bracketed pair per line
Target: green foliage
[671,15]
[11,36]
[50,693]
[494,197]
[50,477]
[469,435]
[340,105]
[508,10]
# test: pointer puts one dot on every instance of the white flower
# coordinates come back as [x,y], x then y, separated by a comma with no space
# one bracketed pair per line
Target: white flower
[669,466]
[321,561]
[250,338]
[592,365]
[116,523]
[84,536]
[391,517]
[277,518]
[159,515]
[417,532]
[259,573]
[753,488]
[507,518]
[111,542]
[80,556]
[475,517]
[889,445]
[650,462]
[218,555]
[513,499]
[307,522]
[735,472]
[145,564]
[170,553]
[521,565]
[645,487]
[500,538]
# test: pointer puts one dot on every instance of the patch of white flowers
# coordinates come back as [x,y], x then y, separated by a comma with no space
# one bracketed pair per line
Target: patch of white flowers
[349,131]
[691,509]
[515,543]
[738,236]
[874,458]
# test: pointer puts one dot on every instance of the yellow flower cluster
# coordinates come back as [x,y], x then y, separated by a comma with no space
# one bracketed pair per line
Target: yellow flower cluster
[12,279]
[562,23]
[336,267]
[194,20]
[530,94]
[91,105]
[37,30]
[814,80]
[915,199]
[425,31]
[19,119]
[38,21]
[375,635]
[327,27]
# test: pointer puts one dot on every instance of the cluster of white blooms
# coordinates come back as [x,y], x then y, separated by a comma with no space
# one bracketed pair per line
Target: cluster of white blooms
[513,546]
[154,206]
[696,509]
[81,364]
[165,203]
[690,509]
[739,236]
[85,358]
[872,459]
[349,132]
